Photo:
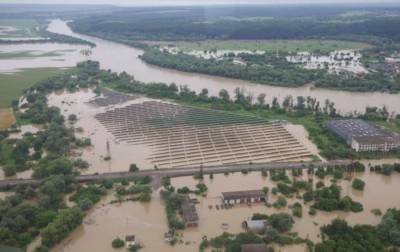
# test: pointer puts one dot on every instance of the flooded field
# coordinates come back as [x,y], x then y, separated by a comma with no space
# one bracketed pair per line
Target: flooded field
[105,52]
[184,136]
[103,143]
[23,129]
[107,139]
[148,221]
[20,56]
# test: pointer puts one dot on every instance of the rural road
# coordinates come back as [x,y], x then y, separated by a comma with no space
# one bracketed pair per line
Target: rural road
[157,175]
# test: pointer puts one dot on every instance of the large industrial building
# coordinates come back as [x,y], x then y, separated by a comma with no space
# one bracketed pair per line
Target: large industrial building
[362,136]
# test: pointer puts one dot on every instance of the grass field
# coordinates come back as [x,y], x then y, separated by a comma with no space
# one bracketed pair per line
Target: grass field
[6,118]
[21,28]
[12,85]
[32,54]
[273,45]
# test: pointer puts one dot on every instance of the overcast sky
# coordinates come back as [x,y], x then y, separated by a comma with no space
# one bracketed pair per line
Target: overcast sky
[190,2]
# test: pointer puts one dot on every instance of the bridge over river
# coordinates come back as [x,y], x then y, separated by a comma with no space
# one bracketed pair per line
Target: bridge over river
[157,175]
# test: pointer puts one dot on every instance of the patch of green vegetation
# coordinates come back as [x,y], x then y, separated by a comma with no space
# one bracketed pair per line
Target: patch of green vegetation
[31,54]
[12,85]
[20,28]
[312,45]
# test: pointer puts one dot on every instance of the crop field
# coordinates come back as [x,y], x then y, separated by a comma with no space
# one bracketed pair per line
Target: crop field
[6,118]
[18,28]
[184,136]
[323,46]
[13,84]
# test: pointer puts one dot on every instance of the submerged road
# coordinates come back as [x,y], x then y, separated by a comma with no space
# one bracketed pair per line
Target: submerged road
[157,175]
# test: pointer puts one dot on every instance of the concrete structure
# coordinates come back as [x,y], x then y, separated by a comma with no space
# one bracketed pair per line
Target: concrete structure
[255,248]
[189,213]
[256,226]
[362,136]
[238,197]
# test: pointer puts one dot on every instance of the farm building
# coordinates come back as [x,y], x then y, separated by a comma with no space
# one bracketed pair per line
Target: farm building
[243,196]
[375,143]
[189,213]
[256,226]
[362,136]
[130,240]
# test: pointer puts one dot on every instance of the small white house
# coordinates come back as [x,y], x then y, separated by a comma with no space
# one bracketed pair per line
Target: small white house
[130,240]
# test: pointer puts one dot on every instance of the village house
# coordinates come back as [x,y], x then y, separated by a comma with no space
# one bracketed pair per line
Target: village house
[238,197]
[189,213]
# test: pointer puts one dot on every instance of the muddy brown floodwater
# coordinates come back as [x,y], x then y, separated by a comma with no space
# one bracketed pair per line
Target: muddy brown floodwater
[119,57]
[148,221]
[122,153]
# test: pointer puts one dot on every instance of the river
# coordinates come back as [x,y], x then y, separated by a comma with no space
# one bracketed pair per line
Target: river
[119,57]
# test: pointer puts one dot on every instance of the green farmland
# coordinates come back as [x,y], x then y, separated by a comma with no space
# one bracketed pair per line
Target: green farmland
[19,28]
[12,85]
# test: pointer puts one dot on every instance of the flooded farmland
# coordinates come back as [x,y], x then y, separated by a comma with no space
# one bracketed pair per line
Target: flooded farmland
[107,139]
[103,143]
[21,56]
[147,221]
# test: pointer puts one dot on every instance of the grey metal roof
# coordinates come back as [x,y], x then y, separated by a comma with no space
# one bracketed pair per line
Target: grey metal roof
[254,248]
[243,194]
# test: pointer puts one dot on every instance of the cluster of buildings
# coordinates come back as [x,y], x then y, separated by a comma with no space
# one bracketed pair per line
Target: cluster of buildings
[362,136]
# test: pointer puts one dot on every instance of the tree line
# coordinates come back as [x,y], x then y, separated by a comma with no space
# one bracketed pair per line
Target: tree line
[272,69]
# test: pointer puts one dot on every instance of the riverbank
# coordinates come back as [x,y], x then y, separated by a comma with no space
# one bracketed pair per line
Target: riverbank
[129,62]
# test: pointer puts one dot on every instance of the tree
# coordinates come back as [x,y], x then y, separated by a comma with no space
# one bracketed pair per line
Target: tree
[261,99]
[61,226]
[270,234]
[133,168]
[72,118]
[117,243]
[224,95]
[282,222]
[85,204]
[358,184]
[204,94]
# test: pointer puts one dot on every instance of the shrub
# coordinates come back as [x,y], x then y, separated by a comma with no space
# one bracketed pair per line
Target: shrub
[282,222]
[376,212]
[358,184]
[297,210]
[258,216]
[280,202]
[133,168]
[117,243]
[183,190]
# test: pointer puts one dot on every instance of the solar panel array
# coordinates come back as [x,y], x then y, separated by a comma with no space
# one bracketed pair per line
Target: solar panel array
[183,136]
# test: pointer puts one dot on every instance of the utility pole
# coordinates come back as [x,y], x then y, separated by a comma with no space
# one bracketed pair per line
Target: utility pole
[201,170]
[108,149]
